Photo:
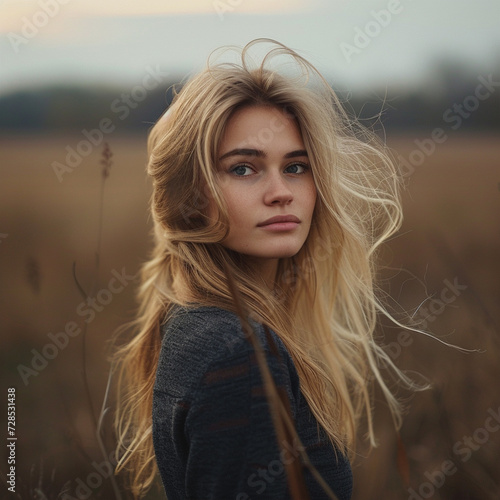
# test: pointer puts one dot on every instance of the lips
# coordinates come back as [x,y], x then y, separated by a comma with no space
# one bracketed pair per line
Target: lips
[278,219]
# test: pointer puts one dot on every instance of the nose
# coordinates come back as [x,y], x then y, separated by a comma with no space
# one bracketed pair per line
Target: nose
[277,190]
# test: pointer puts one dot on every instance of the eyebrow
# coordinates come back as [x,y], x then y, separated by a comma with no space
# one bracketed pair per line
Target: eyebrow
[260,154]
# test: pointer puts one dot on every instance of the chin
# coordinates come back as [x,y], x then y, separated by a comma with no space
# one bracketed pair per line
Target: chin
[281,253]
[276,250]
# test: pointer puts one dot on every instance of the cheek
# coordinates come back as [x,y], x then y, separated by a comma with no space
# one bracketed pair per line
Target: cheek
[311,196]
[238,208]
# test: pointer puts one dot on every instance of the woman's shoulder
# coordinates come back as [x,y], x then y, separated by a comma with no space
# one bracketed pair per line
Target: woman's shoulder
[202,327]
[195,339]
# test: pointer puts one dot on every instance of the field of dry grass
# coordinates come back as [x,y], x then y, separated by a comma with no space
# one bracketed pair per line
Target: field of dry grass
[448,250]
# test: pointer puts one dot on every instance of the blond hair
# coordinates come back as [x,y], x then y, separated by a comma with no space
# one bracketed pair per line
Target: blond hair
[324,306]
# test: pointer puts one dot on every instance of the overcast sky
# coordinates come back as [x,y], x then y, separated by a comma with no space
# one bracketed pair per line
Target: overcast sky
[351,41]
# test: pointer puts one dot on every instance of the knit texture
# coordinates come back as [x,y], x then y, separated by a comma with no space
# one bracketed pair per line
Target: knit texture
[213,434]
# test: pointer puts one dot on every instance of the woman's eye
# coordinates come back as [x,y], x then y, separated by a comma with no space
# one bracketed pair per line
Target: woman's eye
[297,168]
[241,170]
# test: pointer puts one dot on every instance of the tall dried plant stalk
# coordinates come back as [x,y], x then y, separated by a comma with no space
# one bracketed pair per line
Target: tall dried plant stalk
[278,404]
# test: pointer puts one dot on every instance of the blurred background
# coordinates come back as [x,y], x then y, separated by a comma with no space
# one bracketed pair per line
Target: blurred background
[82,81]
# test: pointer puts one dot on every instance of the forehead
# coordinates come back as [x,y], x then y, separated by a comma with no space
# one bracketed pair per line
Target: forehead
[261,126]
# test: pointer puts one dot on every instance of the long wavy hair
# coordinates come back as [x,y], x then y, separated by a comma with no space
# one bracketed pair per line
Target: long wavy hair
[324,305]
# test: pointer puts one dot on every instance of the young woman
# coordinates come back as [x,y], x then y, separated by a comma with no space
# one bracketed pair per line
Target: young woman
[254,357]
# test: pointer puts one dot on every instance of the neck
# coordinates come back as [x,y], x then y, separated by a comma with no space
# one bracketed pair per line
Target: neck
[267,269]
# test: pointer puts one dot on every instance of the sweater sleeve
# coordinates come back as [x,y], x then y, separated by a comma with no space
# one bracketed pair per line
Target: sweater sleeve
[233,451]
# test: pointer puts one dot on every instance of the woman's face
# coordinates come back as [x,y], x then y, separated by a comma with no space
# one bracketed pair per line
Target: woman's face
[266,181]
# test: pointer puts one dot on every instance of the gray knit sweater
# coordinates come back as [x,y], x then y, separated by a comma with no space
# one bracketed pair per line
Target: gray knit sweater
[212,431]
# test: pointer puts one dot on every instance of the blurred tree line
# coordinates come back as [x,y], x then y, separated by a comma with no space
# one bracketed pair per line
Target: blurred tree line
[455,97]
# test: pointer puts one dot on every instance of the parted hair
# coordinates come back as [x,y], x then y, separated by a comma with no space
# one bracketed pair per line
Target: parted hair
[325,304]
